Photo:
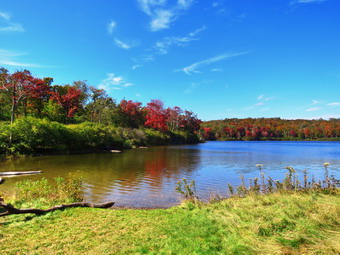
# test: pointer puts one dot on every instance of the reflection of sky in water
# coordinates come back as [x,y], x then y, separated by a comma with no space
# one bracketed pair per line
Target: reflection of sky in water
[147,177]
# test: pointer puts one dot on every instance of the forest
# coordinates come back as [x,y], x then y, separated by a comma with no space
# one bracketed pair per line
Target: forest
[271,129]
[38,116]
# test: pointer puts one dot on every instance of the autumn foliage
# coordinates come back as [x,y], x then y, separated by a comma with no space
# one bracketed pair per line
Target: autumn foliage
[23,95]
[271,129]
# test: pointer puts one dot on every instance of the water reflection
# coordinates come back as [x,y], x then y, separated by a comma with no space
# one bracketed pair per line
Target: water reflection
[147,177]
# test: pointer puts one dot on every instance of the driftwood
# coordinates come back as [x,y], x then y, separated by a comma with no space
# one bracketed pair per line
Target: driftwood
[115,151]
[10,210]
[19,173]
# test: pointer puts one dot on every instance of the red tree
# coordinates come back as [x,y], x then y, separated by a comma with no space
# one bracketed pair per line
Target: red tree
[156,115]
[69,101]
[132,112]
[174,119]
[16,86]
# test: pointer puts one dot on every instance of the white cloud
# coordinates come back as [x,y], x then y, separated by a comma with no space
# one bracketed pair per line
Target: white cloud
[136,67]
[334,104]
[184,4]
[125,45]
[193,67]
[5,16]
[6,25]
[313,109]
[306,1]
[111,26]
[121,44]
[162,14]
[164,44]
[216,70]
[147,5]
[8,58]
[253,106]
[309,1]
[161,20]
[263,98]
[114,82]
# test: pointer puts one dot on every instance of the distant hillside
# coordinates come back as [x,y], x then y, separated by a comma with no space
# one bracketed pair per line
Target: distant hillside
[271,129]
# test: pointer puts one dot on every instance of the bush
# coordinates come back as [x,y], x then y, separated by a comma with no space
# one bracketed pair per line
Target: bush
[32,135]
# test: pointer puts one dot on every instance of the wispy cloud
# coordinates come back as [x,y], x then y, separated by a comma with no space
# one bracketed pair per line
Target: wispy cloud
[9,58]
[113,82]
[254,106]
[191,69]
[111,26]
[6,25]
[164,44]
[191,88]
[314,102]
[306,1]
[5,16]
[313,109]
[334,104]
[264,98]
[124,45]
[195,85]
[216,70]
[136,67]
[162,13]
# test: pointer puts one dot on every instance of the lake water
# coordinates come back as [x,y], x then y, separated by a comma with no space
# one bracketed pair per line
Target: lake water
[147,177]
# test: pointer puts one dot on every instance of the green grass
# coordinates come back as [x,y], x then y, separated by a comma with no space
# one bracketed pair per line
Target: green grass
[278,223]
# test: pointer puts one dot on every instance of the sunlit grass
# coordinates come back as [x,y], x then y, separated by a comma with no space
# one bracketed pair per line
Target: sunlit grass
[266,217]
[279,223]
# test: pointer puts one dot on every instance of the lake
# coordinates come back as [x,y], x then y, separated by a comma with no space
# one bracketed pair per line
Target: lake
[147,177]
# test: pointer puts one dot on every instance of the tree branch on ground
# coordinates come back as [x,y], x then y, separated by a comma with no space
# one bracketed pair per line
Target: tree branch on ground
[11,210]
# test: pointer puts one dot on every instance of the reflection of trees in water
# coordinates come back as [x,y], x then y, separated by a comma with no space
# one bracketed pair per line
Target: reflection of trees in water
[139,169]
[169,163]
[107,173]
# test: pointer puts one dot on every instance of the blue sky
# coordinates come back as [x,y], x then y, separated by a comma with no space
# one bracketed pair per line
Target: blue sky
[219,58]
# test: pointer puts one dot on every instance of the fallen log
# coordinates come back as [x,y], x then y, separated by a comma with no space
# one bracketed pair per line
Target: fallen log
[11,210]
[19,173]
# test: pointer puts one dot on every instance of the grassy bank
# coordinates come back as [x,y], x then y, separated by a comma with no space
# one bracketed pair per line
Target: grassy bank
[264,217]
[35,136]
[279,223]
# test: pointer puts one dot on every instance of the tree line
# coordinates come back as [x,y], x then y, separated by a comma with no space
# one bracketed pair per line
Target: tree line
[271,129]
[22,95]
